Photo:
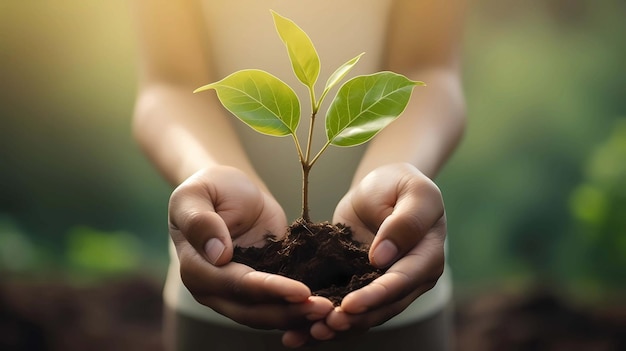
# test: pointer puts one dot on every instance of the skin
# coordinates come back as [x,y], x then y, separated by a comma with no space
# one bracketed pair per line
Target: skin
[221,201]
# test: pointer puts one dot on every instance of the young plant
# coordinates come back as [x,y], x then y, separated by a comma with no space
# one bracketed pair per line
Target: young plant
[362,107]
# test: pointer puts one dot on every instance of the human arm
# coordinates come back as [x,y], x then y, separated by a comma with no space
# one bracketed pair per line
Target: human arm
[218,194]
[424,43]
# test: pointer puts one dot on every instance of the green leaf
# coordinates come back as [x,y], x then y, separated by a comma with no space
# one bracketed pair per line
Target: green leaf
[259,99]
[365,105]
[338,75]
[341,72]
[302,53]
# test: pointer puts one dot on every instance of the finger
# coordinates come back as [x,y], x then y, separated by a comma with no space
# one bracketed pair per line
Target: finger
[239,202]
[320,331]
[372,200]
[376,195]
[419,268]
[351,329]
[340,320]
[193,218]
[418,207]
[256,299]
[278,315]
[271,221]
[236,281]
[345,323]
[295,338]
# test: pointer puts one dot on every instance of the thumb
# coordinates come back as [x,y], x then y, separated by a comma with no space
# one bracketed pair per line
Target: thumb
[192,218]
[418,207]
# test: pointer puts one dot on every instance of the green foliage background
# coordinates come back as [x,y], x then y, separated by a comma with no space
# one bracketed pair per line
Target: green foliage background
[535,195]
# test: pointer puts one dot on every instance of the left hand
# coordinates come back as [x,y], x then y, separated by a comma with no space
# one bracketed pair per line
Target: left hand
[223,206]
[400,211]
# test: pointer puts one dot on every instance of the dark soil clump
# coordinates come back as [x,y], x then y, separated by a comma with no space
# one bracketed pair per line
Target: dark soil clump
[323,256]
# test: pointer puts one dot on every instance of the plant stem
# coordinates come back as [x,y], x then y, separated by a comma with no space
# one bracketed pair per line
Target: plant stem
[312,162]
[305,193]
[309,142]
[306,168]
[298,148]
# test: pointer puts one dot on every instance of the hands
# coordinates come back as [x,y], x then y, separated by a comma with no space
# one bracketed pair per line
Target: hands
[396,208]
[401,212]
[213,209]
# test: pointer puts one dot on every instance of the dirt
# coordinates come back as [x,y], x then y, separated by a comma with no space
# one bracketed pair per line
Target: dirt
[323,256]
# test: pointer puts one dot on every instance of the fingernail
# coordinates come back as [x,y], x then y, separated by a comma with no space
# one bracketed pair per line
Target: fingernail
[384,253]
[214,248]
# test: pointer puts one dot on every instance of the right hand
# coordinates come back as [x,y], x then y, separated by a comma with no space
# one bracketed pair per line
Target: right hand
[210,212]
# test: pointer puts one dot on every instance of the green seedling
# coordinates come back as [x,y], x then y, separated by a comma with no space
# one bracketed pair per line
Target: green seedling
[362,107]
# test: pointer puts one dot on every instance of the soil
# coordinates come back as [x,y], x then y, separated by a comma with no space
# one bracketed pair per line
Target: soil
[323,256]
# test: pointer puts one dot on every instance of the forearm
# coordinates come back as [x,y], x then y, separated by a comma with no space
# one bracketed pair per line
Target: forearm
[179,131]
[427,132]
[182,132]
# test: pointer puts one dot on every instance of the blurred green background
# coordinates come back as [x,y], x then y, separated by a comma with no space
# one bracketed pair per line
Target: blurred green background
[536,195]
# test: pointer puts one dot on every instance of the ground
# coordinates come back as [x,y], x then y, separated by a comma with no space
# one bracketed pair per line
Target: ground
[125,314]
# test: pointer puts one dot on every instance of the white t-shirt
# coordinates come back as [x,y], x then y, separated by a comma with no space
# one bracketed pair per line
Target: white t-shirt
[242,36]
